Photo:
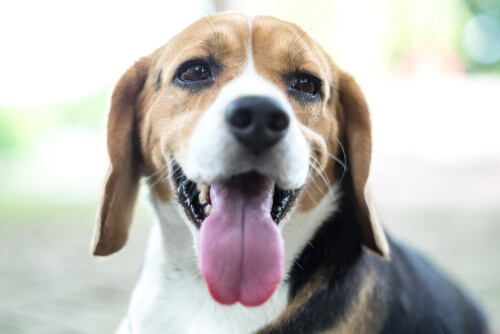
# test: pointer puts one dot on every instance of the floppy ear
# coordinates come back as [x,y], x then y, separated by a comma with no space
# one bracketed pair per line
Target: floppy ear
[116,207]
[359,148]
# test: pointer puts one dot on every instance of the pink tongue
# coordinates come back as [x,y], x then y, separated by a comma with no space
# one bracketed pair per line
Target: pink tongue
[241,249]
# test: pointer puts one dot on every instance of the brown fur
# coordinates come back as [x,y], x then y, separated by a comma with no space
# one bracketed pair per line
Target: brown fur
[296,304]
[361,317]
[117,203]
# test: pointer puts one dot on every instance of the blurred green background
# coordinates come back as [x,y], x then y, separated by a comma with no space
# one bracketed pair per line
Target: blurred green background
[430,71]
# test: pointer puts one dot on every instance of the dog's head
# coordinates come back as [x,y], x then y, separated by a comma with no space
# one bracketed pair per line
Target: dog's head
[240,120]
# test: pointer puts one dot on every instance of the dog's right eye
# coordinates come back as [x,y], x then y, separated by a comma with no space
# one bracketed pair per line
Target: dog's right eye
[194,73]
[306,83]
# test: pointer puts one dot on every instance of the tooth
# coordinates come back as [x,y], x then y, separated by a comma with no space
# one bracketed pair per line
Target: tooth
[273,186]
[202,187]
[203,196]
[208,208]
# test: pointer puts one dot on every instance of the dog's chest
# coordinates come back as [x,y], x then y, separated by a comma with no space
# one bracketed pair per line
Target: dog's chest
[173,300]
[200,314]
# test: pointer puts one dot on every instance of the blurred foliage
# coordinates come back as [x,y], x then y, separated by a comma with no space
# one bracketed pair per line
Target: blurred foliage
[21,127]
[88,111]
[10,136]
[489,34]
[470,28]
[416,23]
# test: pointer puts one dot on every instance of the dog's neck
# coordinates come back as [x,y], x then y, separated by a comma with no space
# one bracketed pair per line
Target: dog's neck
[172,290]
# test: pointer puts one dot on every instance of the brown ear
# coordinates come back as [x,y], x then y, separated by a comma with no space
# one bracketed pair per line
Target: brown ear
[116,208]
[359,148]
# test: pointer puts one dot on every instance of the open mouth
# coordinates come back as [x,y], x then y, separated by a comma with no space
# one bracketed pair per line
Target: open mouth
[195,197]
[241,251]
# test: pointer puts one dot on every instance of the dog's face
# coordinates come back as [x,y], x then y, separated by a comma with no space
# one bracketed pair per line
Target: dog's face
[239,120]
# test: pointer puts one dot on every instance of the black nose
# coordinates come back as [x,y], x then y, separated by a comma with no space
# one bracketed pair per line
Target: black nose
[257,122]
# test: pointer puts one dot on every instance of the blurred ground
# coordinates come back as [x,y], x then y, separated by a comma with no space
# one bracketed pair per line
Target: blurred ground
[49,282]
[435,180]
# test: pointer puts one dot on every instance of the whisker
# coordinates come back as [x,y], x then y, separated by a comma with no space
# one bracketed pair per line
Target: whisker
[325,180]
[322,172]
[211,26]
[165,176]
[344,165]
[298,264]
[314,179]
[149,177]
[302,233]
[308,194]
[340,162]
[158,180]
[306,31]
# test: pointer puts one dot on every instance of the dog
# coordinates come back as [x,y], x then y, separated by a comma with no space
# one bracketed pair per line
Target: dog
[256,149]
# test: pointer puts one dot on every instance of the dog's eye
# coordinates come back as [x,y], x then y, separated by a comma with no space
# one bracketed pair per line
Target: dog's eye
[306,83]
[197,72]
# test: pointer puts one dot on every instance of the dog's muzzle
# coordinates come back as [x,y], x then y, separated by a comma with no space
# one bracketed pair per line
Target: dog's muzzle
[240,248]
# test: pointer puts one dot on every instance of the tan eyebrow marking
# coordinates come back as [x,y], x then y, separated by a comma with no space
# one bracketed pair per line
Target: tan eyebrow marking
[216,41]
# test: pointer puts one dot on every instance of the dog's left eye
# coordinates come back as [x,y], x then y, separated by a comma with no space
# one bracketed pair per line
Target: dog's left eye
[196,72]
[306,83]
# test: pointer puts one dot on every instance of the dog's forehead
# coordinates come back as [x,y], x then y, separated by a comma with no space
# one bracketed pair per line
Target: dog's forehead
[280,46]
[276,45]
[218,35]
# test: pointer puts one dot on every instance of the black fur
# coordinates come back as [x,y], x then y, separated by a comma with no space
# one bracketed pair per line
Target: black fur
[409,294]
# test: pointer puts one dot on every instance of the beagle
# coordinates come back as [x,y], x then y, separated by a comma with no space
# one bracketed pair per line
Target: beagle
[256,149]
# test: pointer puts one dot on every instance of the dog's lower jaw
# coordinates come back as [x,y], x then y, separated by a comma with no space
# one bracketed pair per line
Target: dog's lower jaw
[171,296]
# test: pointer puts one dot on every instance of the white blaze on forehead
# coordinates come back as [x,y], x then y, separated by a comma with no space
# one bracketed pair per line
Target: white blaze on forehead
[249,44]
[250,27]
